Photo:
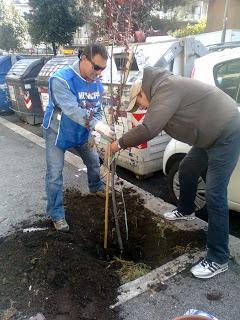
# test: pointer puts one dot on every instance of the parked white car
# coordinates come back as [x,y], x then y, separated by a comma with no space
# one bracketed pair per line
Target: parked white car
[223,70]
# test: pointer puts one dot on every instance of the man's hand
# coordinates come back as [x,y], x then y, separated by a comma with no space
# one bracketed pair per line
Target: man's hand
[104,130]
[114,147]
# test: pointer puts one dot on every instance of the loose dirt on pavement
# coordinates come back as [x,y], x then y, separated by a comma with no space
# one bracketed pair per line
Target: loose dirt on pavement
[70,276]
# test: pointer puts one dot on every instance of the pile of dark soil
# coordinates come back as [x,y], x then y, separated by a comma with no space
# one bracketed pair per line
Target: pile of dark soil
[70,276]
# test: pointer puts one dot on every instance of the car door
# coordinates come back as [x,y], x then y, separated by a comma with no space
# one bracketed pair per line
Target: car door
[227,78]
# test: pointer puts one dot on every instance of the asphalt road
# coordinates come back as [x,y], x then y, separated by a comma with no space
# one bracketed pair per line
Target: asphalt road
[156,184]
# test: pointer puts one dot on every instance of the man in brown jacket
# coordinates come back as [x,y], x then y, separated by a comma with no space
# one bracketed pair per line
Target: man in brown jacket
[207,119]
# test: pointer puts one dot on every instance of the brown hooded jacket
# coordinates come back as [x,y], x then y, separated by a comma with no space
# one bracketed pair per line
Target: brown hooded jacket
[188,110]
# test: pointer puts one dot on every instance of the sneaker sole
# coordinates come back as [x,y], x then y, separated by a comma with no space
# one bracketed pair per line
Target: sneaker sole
[62,230]
[211,275]
[180,218]
[65,229]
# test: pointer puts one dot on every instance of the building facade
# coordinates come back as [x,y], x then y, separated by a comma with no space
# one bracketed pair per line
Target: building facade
[22,6]
[216,9]
[192,12]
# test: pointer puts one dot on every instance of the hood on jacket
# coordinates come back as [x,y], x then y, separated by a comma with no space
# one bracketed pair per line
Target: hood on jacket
[152,78]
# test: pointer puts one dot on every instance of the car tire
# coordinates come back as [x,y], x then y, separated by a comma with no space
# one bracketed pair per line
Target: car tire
[173,186]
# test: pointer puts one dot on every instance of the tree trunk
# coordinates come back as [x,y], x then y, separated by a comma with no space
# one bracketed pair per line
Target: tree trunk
[54,48]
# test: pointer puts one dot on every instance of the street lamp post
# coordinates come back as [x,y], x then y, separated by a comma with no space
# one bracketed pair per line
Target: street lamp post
[225,18]
[1,15]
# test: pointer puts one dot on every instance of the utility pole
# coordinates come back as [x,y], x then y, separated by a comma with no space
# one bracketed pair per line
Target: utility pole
[225,18]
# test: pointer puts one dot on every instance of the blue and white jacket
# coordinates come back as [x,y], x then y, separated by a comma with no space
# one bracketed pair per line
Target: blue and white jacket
[74,106]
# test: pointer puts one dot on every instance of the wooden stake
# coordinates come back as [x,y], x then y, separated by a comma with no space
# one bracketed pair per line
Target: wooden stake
[107,197]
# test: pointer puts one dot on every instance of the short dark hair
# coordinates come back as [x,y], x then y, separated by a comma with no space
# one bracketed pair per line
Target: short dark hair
[92,49]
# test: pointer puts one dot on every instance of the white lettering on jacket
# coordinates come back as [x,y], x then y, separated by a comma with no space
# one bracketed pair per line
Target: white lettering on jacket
[88,95]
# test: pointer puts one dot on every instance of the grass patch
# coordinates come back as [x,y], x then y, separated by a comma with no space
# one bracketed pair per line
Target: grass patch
[128,270]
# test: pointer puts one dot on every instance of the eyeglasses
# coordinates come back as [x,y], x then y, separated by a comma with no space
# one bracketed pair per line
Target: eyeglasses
[96,67]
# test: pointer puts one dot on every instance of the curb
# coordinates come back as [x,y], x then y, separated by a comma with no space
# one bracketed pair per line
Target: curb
[138,286]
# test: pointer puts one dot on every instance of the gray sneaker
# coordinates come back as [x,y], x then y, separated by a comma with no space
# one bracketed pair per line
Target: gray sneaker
[176,215]
[61,225]
[206,269]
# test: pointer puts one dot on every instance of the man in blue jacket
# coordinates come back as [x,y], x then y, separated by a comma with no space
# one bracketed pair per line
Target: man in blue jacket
[73,111]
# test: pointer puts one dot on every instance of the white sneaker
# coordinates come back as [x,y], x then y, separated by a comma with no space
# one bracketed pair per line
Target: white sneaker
[206,269]
[176,215]
[61,225]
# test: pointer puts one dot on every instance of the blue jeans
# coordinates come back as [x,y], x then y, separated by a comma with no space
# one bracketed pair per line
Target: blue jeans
[54,174]
[216,164]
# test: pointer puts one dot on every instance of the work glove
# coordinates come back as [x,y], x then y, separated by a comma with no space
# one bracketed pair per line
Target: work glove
[105,131]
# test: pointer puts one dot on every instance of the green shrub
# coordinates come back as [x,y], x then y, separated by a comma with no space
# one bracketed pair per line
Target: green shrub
[190,30]
[166,25]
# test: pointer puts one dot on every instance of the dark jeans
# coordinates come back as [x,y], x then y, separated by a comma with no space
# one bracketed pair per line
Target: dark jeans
[217,164]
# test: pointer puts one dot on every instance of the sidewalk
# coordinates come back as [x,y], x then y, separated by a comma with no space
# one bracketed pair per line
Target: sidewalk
[22,172]
[22,197]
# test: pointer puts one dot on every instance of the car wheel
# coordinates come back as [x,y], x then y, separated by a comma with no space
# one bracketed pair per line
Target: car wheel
[174,187]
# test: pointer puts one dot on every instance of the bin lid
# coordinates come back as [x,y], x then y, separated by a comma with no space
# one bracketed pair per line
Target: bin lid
[4,58]
[23,68]
[53,65]
[6,63]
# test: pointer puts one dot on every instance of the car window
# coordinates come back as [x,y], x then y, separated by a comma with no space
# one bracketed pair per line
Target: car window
[227,78]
